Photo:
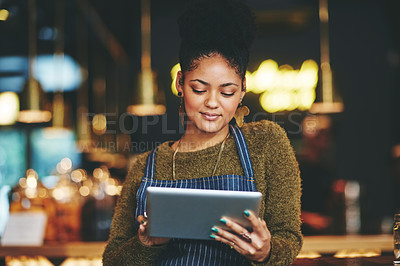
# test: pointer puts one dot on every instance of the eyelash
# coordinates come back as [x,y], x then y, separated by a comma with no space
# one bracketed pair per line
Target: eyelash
[198,92]
[224,94]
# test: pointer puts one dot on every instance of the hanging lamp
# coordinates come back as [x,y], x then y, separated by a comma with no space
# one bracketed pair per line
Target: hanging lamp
[32,98]
[58,98]
[58,128]
[147,99]
[330,99]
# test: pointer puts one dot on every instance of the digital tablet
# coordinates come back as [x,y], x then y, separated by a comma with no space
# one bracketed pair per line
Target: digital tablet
[191,213]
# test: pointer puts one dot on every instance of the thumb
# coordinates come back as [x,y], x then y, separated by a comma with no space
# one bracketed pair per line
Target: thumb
[142,229]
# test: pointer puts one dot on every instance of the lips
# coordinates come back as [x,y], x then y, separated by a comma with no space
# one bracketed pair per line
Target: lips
[210,116]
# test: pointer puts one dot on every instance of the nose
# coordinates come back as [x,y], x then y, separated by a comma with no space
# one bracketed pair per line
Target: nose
[211,101]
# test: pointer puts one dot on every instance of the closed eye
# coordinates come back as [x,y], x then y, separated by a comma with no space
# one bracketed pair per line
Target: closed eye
[197,91]
[228,94]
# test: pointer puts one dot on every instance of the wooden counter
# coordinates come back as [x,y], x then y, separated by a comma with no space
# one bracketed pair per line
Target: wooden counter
[332,244]
[57,250]
[319,244]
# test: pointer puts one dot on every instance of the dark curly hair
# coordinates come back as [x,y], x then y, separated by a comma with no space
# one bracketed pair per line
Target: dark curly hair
[214,27]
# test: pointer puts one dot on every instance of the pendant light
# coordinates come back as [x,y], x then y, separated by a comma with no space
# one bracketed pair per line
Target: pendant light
[32,98]
[331,102]
[147,98]
[58,97]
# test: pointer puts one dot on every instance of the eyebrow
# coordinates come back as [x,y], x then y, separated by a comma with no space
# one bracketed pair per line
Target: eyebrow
[222,85]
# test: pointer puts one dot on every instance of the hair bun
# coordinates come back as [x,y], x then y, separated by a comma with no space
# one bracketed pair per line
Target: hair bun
[206,23]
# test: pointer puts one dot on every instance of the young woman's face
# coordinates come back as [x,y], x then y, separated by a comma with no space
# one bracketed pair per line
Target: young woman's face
[212,92]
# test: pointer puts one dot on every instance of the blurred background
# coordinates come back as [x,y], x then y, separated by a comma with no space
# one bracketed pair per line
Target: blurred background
[87,85]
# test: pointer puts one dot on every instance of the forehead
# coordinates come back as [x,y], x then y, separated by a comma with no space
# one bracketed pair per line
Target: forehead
[215,68]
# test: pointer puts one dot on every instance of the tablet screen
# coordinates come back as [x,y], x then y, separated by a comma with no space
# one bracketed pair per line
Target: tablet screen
[191,213]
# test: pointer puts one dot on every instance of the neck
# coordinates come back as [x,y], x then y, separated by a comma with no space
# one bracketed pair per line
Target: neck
[195,139]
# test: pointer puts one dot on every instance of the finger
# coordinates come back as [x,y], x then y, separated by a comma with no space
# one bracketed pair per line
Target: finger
[258,225]
[235,227]
[233,239]
[234,243]
[142,220]
[142,230]
[223,240]
[261,235]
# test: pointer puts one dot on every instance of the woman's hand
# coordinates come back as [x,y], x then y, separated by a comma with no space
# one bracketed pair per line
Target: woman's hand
[255,246]
[144,234]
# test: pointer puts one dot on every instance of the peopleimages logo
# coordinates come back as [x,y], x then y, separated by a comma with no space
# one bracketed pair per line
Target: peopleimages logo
[125,123]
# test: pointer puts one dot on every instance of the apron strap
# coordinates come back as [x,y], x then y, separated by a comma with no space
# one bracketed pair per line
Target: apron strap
[149,171]
[243,151]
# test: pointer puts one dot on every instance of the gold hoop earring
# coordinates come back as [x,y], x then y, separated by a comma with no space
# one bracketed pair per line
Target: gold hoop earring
[181,109]
[240,113]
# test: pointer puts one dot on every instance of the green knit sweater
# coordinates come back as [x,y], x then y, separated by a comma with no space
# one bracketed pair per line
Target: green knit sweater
[277,178]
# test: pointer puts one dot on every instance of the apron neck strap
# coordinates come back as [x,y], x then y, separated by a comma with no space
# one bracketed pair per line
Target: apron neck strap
[150,164]
[243,151]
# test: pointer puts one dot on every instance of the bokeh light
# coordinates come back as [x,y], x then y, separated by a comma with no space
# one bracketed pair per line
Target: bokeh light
[9,108]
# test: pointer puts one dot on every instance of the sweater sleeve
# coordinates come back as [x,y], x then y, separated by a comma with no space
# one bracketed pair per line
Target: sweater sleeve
[283,192]
[124,246]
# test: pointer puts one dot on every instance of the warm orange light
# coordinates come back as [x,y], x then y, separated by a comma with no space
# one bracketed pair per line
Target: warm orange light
[357,253]
[308,255]
[34,116]
[66,163]
[31,182]
[22,182]
[99,124]
[146,109]
[327,108]
[78,175]
[84,191]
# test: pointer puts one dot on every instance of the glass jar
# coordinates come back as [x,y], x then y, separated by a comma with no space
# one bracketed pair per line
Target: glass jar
[396,238]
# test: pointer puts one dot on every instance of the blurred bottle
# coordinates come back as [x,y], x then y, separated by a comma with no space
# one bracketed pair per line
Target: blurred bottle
[68,202]
[346,207]
[352,203]
[68,208]
[101,193]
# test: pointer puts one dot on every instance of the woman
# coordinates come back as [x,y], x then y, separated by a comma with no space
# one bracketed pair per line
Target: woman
[214,54]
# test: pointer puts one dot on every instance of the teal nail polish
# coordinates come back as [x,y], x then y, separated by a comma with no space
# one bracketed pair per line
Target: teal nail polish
[222,221]
[246,213]
[212,236]
[215,230]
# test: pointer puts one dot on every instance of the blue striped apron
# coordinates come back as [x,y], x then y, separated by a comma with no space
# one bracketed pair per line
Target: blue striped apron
[200,252]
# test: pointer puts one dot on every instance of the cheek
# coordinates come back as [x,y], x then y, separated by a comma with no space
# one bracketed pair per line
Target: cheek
[230,107]
[192,104]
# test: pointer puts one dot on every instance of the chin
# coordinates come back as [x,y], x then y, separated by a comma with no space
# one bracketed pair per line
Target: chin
[210,127]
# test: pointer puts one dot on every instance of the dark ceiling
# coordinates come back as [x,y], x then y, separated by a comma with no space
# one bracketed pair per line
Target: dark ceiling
[120,18]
